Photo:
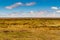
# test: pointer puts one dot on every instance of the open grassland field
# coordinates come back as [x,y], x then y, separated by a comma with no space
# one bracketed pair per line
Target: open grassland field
[29,29]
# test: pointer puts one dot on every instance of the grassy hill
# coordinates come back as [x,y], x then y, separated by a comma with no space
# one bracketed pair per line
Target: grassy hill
[29,29]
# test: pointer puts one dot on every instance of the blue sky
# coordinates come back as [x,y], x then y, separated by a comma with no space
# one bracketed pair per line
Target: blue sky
[29,8]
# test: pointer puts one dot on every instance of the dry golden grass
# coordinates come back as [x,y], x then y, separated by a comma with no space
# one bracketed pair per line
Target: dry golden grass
[30,29]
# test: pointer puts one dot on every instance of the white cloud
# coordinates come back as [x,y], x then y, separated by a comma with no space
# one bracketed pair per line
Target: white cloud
[19,4]
[30,4]
[14,5]
[8,7]
[58,11]
[31,12]
[54,8]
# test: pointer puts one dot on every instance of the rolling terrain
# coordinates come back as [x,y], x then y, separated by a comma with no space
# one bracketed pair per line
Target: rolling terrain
[29,29]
